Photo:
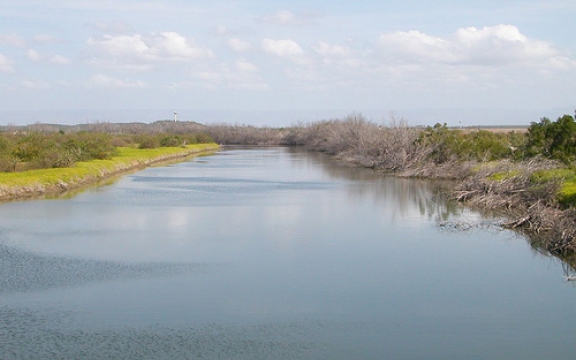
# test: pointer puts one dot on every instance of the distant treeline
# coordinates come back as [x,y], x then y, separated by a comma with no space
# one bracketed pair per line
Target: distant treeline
[434,151]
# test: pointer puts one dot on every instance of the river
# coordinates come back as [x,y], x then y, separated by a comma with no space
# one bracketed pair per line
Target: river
[272,253]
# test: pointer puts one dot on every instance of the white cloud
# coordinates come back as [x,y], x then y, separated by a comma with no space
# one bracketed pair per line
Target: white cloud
[500,32]
[172,46]
[246,66]
[33,55]
[221,30]
[285,17]
[337,54]
[138,52]
[415,47]
[325,49]
[122,52]
[45,38]
[13,40]
[35,84]
[5,64]
[60,60]
[494,46]
[239,45]
[500,45]
[242,76]
[287,49]
[561,63]
[100,80]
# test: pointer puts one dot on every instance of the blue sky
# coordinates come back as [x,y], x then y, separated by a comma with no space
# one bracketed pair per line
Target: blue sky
[289,58]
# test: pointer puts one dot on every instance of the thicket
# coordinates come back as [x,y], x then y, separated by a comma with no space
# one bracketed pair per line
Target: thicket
[434,151]
[553,139]
[246,134]
[392,147]
[35,150]
[152,141]
[479,145]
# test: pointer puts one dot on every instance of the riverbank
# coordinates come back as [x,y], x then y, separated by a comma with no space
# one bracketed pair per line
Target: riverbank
[537,198]
[526,177]
[35,183]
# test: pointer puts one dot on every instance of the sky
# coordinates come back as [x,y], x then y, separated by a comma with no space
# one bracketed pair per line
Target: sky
[279,62]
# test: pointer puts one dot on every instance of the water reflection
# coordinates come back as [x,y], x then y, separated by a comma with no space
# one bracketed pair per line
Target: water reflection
[428,197]
[402,193]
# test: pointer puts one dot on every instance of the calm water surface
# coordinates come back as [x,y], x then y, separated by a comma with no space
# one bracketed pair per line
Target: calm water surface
[271,254]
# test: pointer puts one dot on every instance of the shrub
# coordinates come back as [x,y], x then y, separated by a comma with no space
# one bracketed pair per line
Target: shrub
[171,141]
[200,138]
[447,145]
[443,144]
[85,146]
[147,141]
[31,147]
[121,141]
[8,162]
[552,139]
[37,150]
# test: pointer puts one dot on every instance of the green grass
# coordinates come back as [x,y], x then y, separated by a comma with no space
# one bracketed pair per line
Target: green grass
[567,193]
[44,176]
[544,176]
[567,179]
[124,159]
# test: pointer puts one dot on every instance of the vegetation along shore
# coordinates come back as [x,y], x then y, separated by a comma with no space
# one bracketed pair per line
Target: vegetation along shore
[36,164]
[525,175]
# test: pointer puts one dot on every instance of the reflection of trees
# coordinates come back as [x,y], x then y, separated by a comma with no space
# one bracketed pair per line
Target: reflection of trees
[569,265]
[425,195]
[404,194]
[538,243]
[567,262]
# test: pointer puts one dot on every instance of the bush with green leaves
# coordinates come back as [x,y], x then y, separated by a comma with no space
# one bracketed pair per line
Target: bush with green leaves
[445,144]
[85,146]
[8,161]
[552,139]
[152,141]
[147,141]
[36,150]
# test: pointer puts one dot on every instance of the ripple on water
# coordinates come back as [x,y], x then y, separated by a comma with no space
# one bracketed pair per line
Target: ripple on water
[44,335]
[26,271]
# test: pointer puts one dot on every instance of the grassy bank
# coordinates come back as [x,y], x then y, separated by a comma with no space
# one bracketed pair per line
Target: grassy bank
[34,183]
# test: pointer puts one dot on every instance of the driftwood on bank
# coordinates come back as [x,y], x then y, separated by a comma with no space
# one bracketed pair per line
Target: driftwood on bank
[532,208]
